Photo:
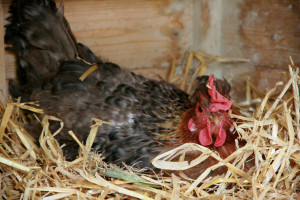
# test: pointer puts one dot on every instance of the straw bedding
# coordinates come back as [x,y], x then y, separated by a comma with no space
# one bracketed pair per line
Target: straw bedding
[272,131]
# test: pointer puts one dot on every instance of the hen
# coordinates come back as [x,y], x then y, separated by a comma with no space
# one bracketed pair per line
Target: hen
[146,117]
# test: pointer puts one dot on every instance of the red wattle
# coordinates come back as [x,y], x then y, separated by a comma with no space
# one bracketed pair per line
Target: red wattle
[205,135]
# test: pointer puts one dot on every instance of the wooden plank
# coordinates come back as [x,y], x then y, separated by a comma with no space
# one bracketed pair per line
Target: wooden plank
[265,32]
[197,25]
[157,73]
[210,30]
[210,25]
[133,34]
[3,88]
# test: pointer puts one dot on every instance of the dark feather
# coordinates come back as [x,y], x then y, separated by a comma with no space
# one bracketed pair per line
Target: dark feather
[146,116]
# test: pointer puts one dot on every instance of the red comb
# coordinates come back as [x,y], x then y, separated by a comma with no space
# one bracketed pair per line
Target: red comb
[217,101]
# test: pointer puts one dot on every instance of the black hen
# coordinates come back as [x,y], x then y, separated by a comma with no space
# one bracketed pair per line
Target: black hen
[146,116]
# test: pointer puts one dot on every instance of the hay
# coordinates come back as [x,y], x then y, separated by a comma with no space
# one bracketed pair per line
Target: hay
[272,134]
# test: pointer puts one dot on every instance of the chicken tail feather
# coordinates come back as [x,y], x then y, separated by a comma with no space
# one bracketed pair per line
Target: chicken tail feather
[40,37]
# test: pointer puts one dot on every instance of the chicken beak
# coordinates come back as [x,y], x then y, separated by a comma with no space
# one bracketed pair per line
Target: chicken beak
[221,135]
[205,137]
[214,126]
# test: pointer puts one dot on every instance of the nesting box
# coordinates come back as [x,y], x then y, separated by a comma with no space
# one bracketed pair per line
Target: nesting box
[146,35]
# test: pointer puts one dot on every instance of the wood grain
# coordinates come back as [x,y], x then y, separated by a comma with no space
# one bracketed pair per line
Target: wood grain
[133,34]
[3,88]
[146,35]
[265,32]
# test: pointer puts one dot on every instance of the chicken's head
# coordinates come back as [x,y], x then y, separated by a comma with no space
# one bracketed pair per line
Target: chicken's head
[209,118]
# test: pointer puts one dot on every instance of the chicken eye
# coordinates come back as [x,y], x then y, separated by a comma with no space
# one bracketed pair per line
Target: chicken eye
[200,109]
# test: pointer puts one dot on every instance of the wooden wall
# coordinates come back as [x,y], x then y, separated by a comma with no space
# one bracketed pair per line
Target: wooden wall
[265,32]
[146,35]
[2,58]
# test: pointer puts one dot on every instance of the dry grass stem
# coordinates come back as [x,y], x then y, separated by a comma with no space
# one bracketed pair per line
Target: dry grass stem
[272,134]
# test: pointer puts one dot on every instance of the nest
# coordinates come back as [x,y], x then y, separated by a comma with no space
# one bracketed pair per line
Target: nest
[272,133]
